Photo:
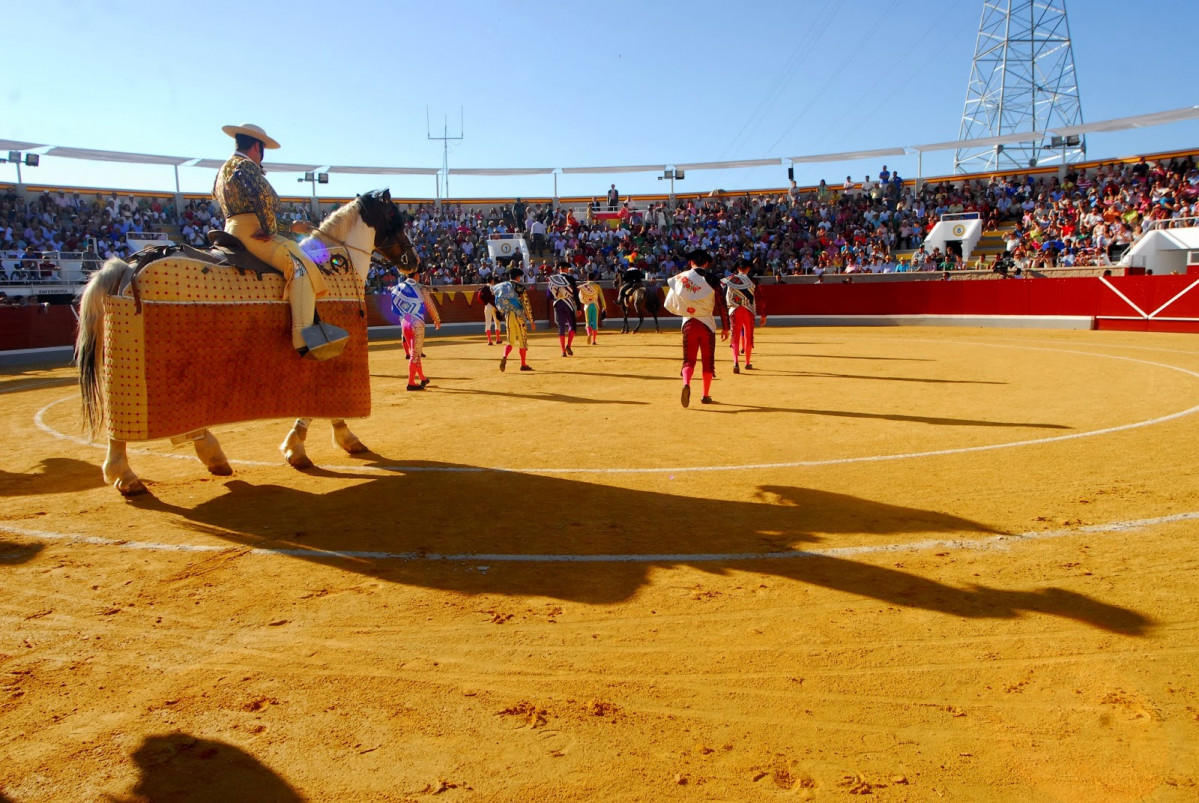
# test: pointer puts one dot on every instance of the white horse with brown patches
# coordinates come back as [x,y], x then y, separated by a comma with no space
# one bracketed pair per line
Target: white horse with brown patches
[180,344]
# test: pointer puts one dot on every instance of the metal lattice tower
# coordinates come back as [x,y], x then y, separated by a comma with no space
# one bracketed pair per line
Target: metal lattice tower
[1022,79]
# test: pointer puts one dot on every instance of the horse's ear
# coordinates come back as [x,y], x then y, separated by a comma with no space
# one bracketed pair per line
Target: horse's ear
[387,194]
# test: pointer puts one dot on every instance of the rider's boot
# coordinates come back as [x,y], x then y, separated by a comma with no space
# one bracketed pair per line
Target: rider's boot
[303,308]
[318,341]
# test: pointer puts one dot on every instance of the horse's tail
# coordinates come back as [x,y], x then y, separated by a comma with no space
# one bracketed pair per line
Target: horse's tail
[89,345]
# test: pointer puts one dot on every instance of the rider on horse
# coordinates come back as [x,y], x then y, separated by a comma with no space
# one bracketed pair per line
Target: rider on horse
[250,208]
[630,280]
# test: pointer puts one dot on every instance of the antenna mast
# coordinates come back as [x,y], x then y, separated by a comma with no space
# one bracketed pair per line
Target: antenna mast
[445,144]
[1022,79]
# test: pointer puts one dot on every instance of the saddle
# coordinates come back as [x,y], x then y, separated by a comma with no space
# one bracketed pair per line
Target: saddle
[322,341]
[226,251]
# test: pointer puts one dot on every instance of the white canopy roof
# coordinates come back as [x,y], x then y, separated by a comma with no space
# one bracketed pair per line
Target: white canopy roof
[385,171]
[117,156]
[728,165]
[1136,121]
[624,169]
[14,145]
[285,167]
[269,167]
[982,142]
[500,171]
[1119,124]
[849,156]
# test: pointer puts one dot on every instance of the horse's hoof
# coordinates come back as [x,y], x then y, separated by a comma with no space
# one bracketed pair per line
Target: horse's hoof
[128,487]
[300,462]
[223,470]
[357,447]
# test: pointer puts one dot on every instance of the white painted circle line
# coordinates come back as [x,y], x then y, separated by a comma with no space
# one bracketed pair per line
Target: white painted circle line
[999,542]
[39,421]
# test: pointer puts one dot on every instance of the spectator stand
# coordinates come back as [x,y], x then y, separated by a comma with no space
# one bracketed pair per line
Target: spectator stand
[1076,219]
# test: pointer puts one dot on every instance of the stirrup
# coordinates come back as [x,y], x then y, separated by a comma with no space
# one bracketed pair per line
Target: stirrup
[323,341]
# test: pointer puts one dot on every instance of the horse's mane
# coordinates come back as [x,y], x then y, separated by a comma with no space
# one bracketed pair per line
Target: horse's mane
[337,226]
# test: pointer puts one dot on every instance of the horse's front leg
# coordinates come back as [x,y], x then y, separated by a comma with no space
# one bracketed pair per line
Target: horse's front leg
[208,450]
[117,472]
[343,437]
[293,445]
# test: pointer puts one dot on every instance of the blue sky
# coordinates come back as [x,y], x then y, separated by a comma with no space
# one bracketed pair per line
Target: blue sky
[542,84]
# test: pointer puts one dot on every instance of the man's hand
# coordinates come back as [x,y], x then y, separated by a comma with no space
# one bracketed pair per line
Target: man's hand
[262,235]
[301,227]
[762,322]
[724,334]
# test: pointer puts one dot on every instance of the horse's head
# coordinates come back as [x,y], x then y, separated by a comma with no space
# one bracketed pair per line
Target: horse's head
[377,211]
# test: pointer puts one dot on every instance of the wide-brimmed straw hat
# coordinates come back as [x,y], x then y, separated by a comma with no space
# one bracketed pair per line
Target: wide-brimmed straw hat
[251,130]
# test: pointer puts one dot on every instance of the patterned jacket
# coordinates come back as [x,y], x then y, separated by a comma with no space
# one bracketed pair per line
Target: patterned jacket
[241,188]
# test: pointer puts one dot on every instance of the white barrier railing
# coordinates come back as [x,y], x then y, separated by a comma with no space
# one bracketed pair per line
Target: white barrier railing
[1171,223]
[49,267]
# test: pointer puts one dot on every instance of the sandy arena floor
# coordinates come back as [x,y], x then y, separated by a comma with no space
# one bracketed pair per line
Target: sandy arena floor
[918,563]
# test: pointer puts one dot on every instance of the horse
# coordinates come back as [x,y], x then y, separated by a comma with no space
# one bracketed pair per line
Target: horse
[641,301]
[117,300]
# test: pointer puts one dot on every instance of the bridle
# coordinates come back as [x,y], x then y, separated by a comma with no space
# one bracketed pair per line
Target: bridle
[400,261]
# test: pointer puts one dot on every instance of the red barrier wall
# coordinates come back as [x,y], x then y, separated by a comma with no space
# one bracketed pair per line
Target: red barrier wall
[1142,303]
[1087,297]
[36,326]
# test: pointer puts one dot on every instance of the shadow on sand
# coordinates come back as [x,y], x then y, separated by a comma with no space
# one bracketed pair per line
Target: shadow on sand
[592,543]
[11,554]
[55,475]
[179,767]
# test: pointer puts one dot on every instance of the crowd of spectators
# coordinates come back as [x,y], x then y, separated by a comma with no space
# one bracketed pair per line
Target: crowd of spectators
[93,227]
[877,224]
[1092,217]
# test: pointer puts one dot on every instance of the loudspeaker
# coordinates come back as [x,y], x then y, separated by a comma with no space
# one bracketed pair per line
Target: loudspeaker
[790,174]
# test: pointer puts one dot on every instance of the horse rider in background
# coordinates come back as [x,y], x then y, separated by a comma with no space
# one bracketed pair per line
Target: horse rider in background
[630,280]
